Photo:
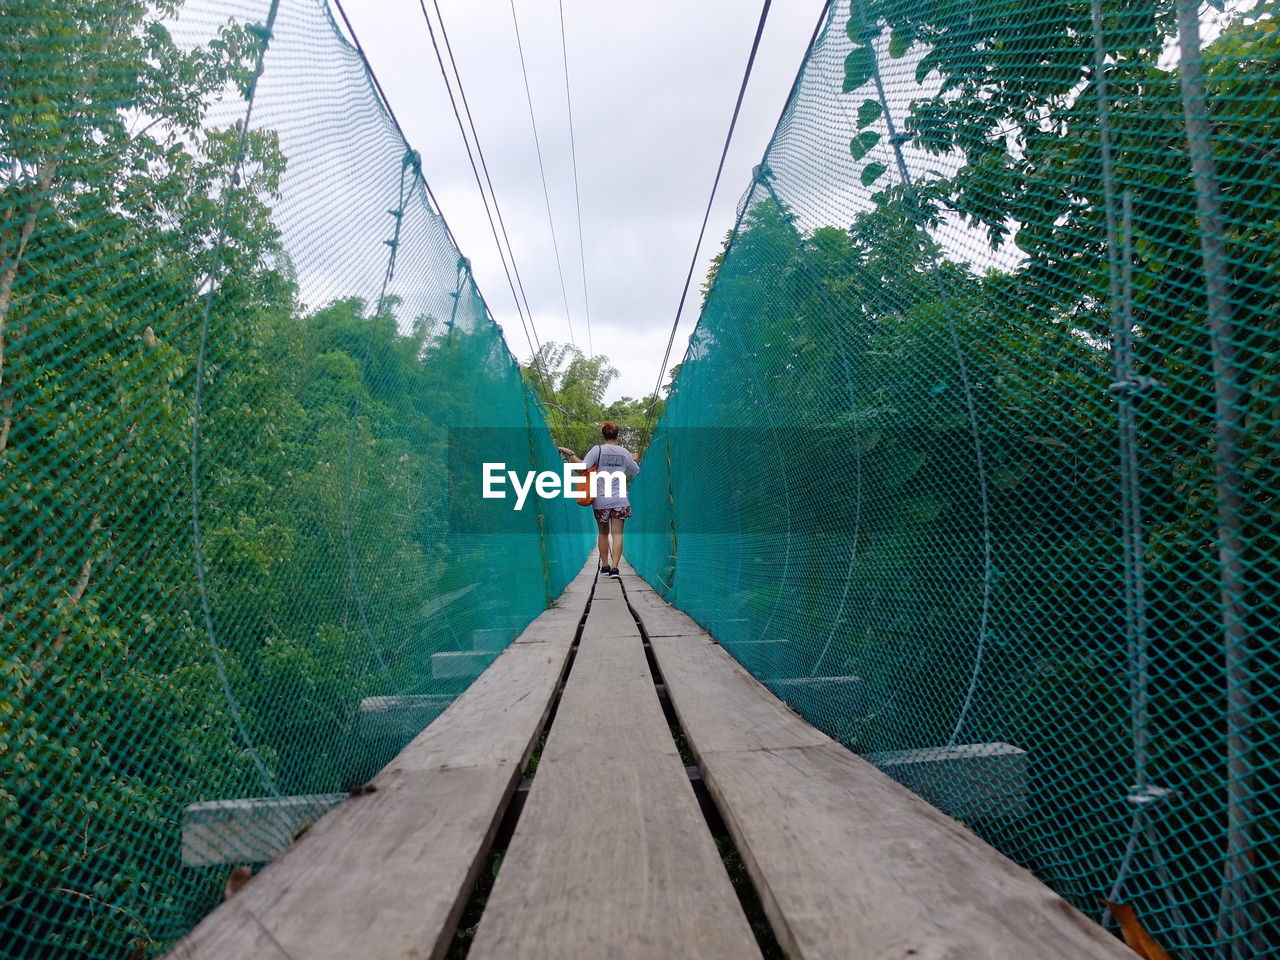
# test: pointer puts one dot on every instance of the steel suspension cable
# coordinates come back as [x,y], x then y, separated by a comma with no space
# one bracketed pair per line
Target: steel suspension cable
[484,164]
[546,195]
[483,198]
[577,197]
[706,216]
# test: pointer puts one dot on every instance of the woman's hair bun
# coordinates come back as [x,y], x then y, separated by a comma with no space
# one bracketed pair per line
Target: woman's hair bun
[609,429]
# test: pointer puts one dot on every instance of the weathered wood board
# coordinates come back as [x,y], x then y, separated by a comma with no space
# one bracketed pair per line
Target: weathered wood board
[847,862]
[399,716]
[386,874]
[248,830]
[611,857]
[966,780]
[459,664]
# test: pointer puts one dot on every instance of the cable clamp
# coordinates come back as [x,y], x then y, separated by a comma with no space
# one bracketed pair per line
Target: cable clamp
[1147,794]
[1135,386]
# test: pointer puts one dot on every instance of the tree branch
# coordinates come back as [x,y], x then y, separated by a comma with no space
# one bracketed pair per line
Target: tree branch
[44,181]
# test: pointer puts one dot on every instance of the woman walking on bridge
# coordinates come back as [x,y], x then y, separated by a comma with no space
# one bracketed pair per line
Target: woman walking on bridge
[611,511]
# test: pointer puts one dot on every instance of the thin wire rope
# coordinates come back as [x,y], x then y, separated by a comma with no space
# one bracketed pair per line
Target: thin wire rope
[962,367]
[502,256]
[650,415]
[1119,276]
[357,408]
[546,194]
[422,180]
[577,197]
[386,105]
[197,410]
[484,165]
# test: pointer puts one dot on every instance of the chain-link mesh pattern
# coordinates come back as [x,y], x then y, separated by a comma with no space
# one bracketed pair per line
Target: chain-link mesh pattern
[972,457]
[236,334]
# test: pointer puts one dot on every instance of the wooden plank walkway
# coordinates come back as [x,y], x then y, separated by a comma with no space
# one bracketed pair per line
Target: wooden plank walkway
[847,862]
[611,855]
[387,874]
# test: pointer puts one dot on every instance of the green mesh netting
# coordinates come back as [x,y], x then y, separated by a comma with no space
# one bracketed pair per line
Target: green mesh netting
[973,455]
[235,338]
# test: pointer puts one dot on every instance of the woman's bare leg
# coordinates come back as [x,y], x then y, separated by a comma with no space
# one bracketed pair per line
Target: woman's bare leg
[615,528]
[602,542]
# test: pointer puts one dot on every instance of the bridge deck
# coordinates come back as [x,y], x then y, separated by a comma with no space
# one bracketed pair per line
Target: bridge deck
[610,854]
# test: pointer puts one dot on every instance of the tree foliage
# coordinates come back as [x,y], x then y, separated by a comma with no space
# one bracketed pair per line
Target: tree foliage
[913,465]
[572,387]
[141,669]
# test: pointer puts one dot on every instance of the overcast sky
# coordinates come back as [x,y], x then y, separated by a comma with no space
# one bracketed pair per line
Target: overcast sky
[653,88]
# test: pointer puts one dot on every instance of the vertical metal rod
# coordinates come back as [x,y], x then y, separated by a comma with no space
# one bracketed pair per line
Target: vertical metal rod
[1229,400]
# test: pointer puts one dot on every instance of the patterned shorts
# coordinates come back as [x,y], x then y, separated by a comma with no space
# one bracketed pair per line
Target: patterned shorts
[613,513]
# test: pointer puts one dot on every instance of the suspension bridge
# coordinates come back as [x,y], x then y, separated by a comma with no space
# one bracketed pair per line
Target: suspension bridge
[948,622]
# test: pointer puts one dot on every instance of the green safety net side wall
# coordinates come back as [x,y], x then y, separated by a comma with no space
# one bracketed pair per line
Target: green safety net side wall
[237,339]
[972,458]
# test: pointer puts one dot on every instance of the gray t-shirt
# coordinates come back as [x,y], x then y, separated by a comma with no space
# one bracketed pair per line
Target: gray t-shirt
[609,457]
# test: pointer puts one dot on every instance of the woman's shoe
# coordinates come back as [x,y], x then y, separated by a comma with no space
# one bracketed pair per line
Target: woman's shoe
[613,572]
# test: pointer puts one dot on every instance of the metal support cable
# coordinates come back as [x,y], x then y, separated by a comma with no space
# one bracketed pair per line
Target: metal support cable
[577,196]
[706,216]
[386,104]
[514,280]
[502,256]
[546,195]
[1235,925]
[966,383]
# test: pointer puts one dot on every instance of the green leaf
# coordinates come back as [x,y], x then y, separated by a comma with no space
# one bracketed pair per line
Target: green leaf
[858,31]
[859,65]
[871,172]
[862,143]
[869,113]
[929,62]
[900,41]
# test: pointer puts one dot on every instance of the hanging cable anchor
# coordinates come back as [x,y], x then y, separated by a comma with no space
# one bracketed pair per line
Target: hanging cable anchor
[1144,796]
[1135,386]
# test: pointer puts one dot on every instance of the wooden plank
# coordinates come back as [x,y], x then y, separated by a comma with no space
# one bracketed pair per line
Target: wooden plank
[660,618]
[386,874]
[611,857]
[248,830]
[966,780]
[440,601]
[399,716]
[491,639]
[847,862]
[459,664]
[734,711]
[851,696]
